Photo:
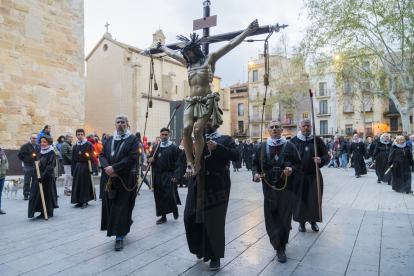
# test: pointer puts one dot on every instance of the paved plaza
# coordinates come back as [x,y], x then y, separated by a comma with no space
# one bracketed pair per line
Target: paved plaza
[367,230]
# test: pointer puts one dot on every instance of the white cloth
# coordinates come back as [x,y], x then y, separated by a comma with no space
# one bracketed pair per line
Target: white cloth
[357,141]
[181,147]
[213,135]
[165,144]
[276,142]
[385,142]
[82,142]
[46,150]
[303,137]
[118,137]
[401,146]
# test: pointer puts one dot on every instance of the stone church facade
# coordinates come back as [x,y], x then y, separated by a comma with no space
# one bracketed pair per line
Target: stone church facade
[41,68]
[117,83]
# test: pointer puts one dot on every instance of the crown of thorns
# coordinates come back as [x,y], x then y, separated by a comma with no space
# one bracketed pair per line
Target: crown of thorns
[188,44]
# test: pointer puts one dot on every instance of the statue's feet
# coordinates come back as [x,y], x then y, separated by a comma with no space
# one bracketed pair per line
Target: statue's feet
[190,172]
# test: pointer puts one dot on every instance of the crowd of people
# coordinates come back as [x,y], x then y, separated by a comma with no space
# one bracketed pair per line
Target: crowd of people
[290,173]
[390,157]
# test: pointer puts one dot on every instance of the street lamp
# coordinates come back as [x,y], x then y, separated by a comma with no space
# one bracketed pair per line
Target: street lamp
[251,63]
[207,3]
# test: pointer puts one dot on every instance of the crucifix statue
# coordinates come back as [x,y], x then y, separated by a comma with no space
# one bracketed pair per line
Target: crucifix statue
[201,65]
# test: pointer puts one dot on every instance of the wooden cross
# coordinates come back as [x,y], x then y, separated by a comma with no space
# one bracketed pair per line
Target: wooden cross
[107,25]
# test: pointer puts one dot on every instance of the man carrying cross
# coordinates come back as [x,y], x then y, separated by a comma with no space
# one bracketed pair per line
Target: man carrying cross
[202,102]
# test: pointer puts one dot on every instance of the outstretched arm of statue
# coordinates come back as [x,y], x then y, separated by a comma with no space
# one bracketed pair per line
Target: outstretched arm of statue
[171,53]
[235,41]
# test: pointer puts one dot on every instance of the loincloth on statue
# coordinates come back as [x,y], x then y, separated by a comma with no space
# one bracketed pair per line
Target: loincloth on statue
[201,107]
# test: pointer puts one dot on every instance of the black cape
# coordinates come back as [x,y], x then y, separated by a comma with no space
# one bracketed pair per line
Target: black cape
[208,239]
[402,161]
[117,213]
[238,164]
[81,185]
[165,168]
[278,205]
[248,155]
[380,155]
[47,164]
[306,205]
[358,151]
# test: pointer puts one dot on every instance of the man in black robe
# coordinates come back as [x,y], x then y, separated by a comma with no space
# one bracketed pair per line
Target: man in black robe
[280,160]
[306,204]
[119,157]
[357,152]
[238,164]
[248,154]
[81,185]
[166,169]
[207,239]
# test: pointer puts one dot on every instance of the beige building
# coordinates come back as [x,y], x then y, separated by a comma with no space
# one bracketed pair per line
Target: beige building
[41,69]
[117,83]
[239,109]
[288,110]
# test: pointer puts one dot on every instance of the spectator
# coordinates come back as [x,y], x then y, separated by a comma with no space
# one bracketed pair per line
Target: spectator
[98,145]
[60,141]
[141,155]
[67,161]
[344,148]
[26,156]
[332,160]
[91,138]
[96,134]
[331,143]
[46,131]
[103,137]
[4,166]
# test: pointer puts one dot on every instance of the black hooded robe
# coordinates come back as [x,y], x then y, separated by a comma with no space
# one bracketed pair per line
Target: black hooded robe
[381,155]
[208,239]
[248,155]
[238,164]
[81,185]
[166,167]
[47,164]
[183,168]
[278,218]
[402,161]
[117,213]
[358,151]
[306,205]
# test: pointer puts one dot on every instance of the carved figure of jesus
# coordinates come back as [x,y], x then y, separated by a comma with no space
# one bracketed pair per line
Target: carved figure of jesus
[202,102]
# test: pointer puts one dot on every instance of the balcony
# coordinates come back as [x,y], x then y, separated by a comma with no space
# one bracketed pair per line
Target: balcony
[289,123]
[323,113]
[238,133]
[323,95]
[325,132]
[348,109]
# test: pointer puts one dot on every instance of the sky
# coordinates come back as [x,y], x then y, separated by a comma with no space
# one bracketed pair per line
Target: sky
[134,21]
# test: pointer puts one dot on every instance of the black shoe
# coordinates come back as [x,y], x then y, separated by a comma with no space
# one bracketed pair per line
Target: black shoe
[41,216]
[199,257]
[281,255]
[378,181]
[389,183]
[84,205]
[26,197]
[237,169]
[314,227]
[78,205]
[119,245]
[357,176]
[176,215]
[234,169]
[215,265]
[161,220]
[409,192]
[302,227]
[180,186]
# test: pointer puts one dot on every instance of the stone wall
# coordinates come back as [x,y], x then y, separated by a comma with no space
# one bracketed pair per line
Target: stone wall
[41,68]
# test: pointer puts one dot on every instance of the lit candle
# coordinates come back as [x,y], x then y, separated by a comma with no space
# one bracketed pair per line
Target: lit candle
[90,172]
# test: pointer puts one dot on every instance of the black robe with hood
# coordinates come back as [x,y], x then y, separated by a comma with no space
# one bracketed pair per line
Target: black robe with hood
[381,155]
[402,160]
[208,239]
[358,157]
[81,185]
[47,164]
[248,155]
[117,213]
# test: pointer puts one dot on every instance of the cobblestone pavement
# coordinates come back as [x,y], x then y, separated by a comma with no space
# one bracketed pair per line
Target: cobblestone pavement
[367,230]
